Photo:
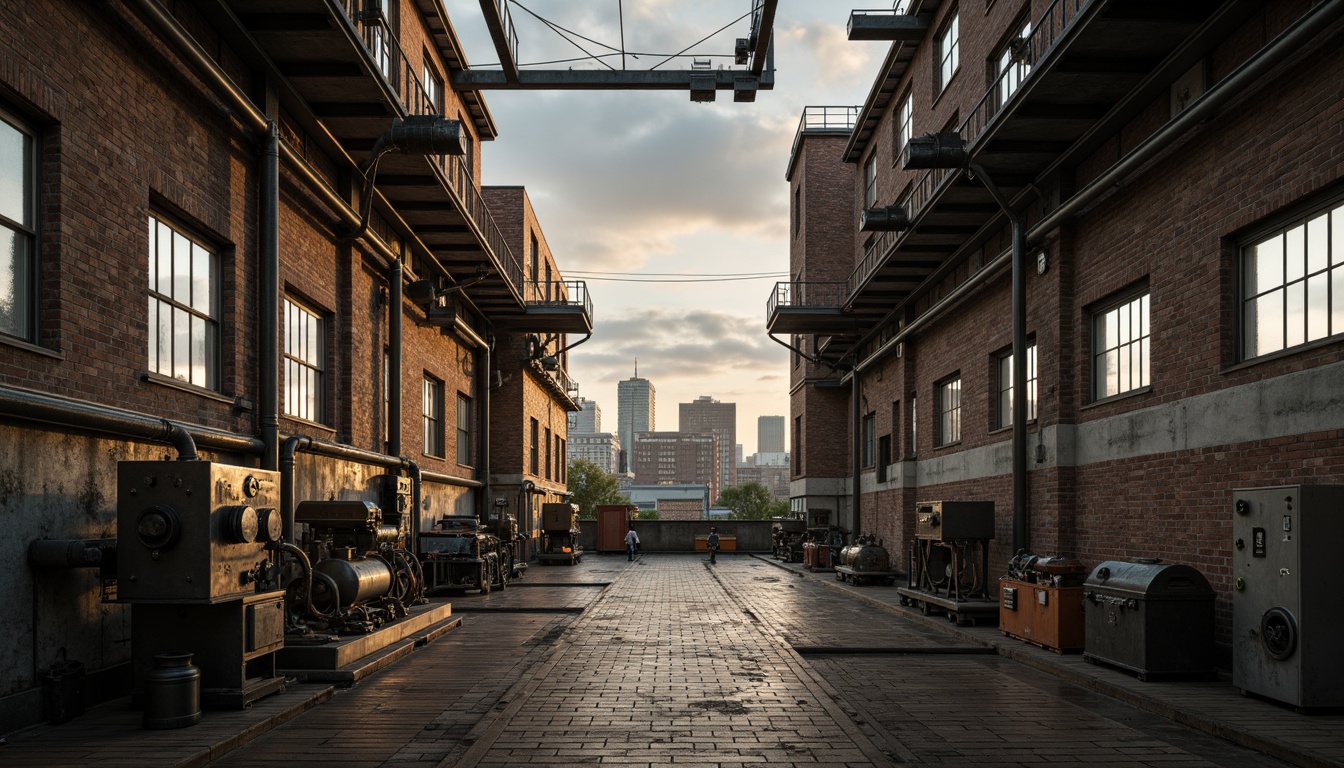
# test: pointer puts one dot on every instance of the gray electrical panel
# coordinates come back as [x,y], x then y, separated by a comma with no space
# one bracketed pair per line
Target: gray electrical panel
[1287,567]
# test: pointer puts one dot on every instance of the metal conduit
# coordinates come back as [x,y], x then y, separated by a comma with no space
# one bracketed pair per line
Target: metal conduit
[67,412]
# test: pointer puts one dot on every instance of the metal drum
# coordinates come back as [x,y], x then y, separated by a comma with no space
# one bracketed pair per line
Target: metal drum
[172,692]
[357,581]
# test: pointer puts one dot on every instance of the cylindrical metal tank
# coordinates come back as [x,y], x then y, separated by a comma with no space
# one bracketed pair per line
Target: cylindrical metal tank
[172,692]
[357,581]
[865,557]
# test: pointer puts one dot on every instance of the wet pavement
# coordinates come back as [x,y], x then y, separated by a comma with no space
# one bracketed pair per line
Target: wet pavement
[670,661]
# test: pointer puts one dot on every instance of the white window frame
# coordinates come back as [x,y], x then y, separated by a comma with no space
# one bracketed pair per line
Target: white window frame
[1121,356]
[433,417]
[949,51]
[1009,70]
[184,306]
[905,125]
[305,357]
[1291,291]
[18,226]
[464,432]
[868,456]
[870,181]
[433,87]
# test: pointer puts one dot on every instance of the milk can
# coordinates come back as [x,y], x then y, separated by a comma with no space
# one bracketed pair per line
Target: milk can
[172,692]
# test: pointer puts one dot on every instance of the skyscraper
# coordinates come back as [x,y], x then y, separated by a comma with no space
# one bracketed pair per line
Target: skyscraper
[588,420]
[707,416]
[634,414]
[770,434]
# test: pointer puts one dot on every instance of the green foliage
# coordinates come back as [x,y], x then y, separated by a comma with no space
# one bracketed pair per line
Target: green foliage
[751,501]
[592,486]
[646,514]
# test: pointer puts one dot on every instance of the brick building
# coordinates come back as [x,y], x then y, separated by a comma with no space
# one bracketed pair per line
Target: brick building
[601,448]
[662,458]
[1177,174]
[707,416]
[196,264]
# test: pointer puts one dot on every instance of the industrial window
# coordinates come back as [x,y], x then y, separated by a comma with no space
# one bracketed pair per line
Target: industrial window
[305,363]
[949,55]
[867,454]
[546,442]
[463,430]
[18,229]
[914,424]
[949,411]
[559,457]
[870,181]
[883,457]
[1293,284]
[433,87]
[378,36]
[433,416]
[534,456]
[797,445]
[183,306]
[468,159]
[905,117]
[1005,398]
[1120,346]
[797,211]
[1013,63]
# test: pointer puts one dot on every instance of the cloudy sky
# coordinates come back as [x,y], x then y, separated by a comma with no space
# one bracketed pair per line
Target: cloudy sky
[649,186]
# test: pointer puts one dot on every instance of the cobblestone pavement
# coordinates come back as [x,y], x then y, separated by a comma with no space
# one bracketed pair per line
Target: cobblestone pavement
[672,662]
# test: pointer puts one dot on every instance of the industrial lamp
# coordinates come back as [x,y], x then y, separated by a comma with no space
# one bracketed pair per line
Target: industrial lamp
[414,135]
[935,150]
[890,218]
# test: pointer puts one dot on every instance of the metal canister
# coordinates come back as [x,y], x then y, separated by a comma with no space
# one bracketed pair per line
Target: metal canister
[172,692]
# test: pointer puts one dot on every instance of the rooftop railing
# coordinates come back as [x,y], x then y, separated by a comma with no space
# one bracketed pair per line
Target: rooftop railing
[824,119]
[559,293]
[385,49]
[818,295]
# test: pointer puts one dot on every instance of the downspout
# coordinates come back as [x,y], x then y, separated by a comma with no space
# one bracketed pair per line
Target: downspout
[286,464]
[483,460]
[269,299]
[394,333]
[417,497]
[857,459]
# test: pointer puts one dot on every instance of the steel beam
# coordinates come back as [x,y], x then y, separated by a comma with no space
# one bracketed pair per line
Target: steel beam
[865,25]
[602,79]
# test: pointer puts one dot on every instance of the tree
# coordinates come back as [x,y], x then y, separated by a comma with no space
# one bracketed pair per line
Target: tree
[592,486]
[751,501]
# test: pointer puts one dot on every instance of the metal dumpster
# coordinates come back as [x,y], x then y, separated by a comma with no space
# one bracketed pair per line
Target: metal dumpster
[1152,618]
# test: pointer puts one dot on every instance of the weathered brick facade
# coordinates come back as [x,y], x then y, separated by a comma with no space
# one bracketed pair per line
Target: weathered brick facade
[1148,472]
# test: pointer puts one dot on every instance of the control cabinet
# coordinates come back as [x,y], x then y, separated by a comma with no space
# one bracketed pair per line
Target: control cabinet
[1287,625]
[954,520]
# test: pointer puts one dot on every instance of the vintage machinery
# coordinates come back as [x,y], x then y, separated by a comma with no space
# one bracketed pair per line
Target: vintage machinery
[821,547]
[865,561]
[1041,601]
[197,558]
[460,553]
[1151,618]
[949,560]
[786,538]
[560,534]
[356,573]
[1286,619]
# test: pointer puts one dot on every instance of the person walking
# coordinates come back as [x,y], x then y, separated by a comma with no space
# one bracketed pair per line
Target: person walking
[713,543]
[631,543]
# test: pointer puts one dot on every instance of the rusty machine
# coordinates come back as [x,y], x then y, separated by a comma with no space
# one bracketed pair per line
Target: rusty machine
[821,547]
[1041,601]
[786,538]
[949,560]
[865,561]
[198,559]
[460,553]
[560,534]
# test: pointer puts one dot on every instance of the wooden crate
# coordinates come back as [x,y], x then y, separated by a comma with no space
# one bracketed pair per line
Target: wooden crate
[726,543]
[1051,617]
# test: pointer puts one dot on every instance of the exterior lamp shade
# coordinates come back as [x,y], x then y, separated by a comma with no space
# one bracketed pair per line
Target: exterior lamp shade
[703,88]
[935,150]
[890,218]
[421,292]
[426,135]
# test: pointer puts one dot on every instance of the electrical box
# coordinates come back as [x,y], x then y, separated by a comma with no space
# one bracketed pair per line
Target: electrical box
[192,531]
[1287,625]
[560,517]
[954,520]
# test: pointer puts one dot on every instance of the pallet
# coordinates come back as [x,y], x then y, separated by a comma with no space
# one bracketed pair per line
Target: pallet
[964,612]
[859,578]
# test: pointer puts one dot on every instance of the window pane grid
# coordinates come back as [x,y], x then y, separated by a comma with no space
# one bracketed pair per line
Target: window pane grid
[305,355]
[433,417]
[1293,285]
[463,430]
[1005,398]
[183,307]
[948,48]
[1121,348]
[18,240]
[949,412]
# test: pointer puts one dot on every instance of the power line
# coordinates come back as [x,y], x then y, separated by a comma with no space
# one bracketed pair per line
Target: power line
[686,280]
[676,274]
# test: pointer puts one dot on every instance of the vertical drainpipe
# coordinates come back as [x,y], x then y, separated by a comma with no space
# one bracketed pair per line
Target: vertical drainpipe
[483,461]
[1021,499]
[269,299]
[394,332]
[856,417]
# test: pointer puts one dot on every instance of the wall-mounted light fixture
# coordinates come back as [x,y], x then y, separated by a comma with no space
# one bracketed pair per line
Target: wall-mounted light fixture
[890,218]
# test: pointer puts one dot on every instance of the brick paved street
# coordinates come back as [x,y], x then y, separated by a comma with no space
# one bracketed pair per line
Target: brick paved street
[670,662]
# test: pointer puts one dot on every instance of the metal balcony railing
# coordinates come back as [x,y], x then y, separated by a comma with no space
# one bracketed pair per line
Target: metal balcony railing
[1046,32]
[385,49]
[822,295]
[559,293]
[824,119]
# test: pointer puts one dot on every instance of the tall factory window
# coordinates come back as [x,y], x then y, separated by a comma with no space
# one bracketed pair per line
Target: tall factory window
[18,229]
[433,86]
[949,411]
[797,211]
[305,363]
[534,455]
[949,54]
[468,159]
[1013,62]
[559,458]
[183,306]
[546,442]
[1293,283]
[378,35]
[1120,346]
[1005,398]
[433,416]
[463,430]
[905,126]
[914,424]
[883,457]
[867,455]
[870,181]
[798,445]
